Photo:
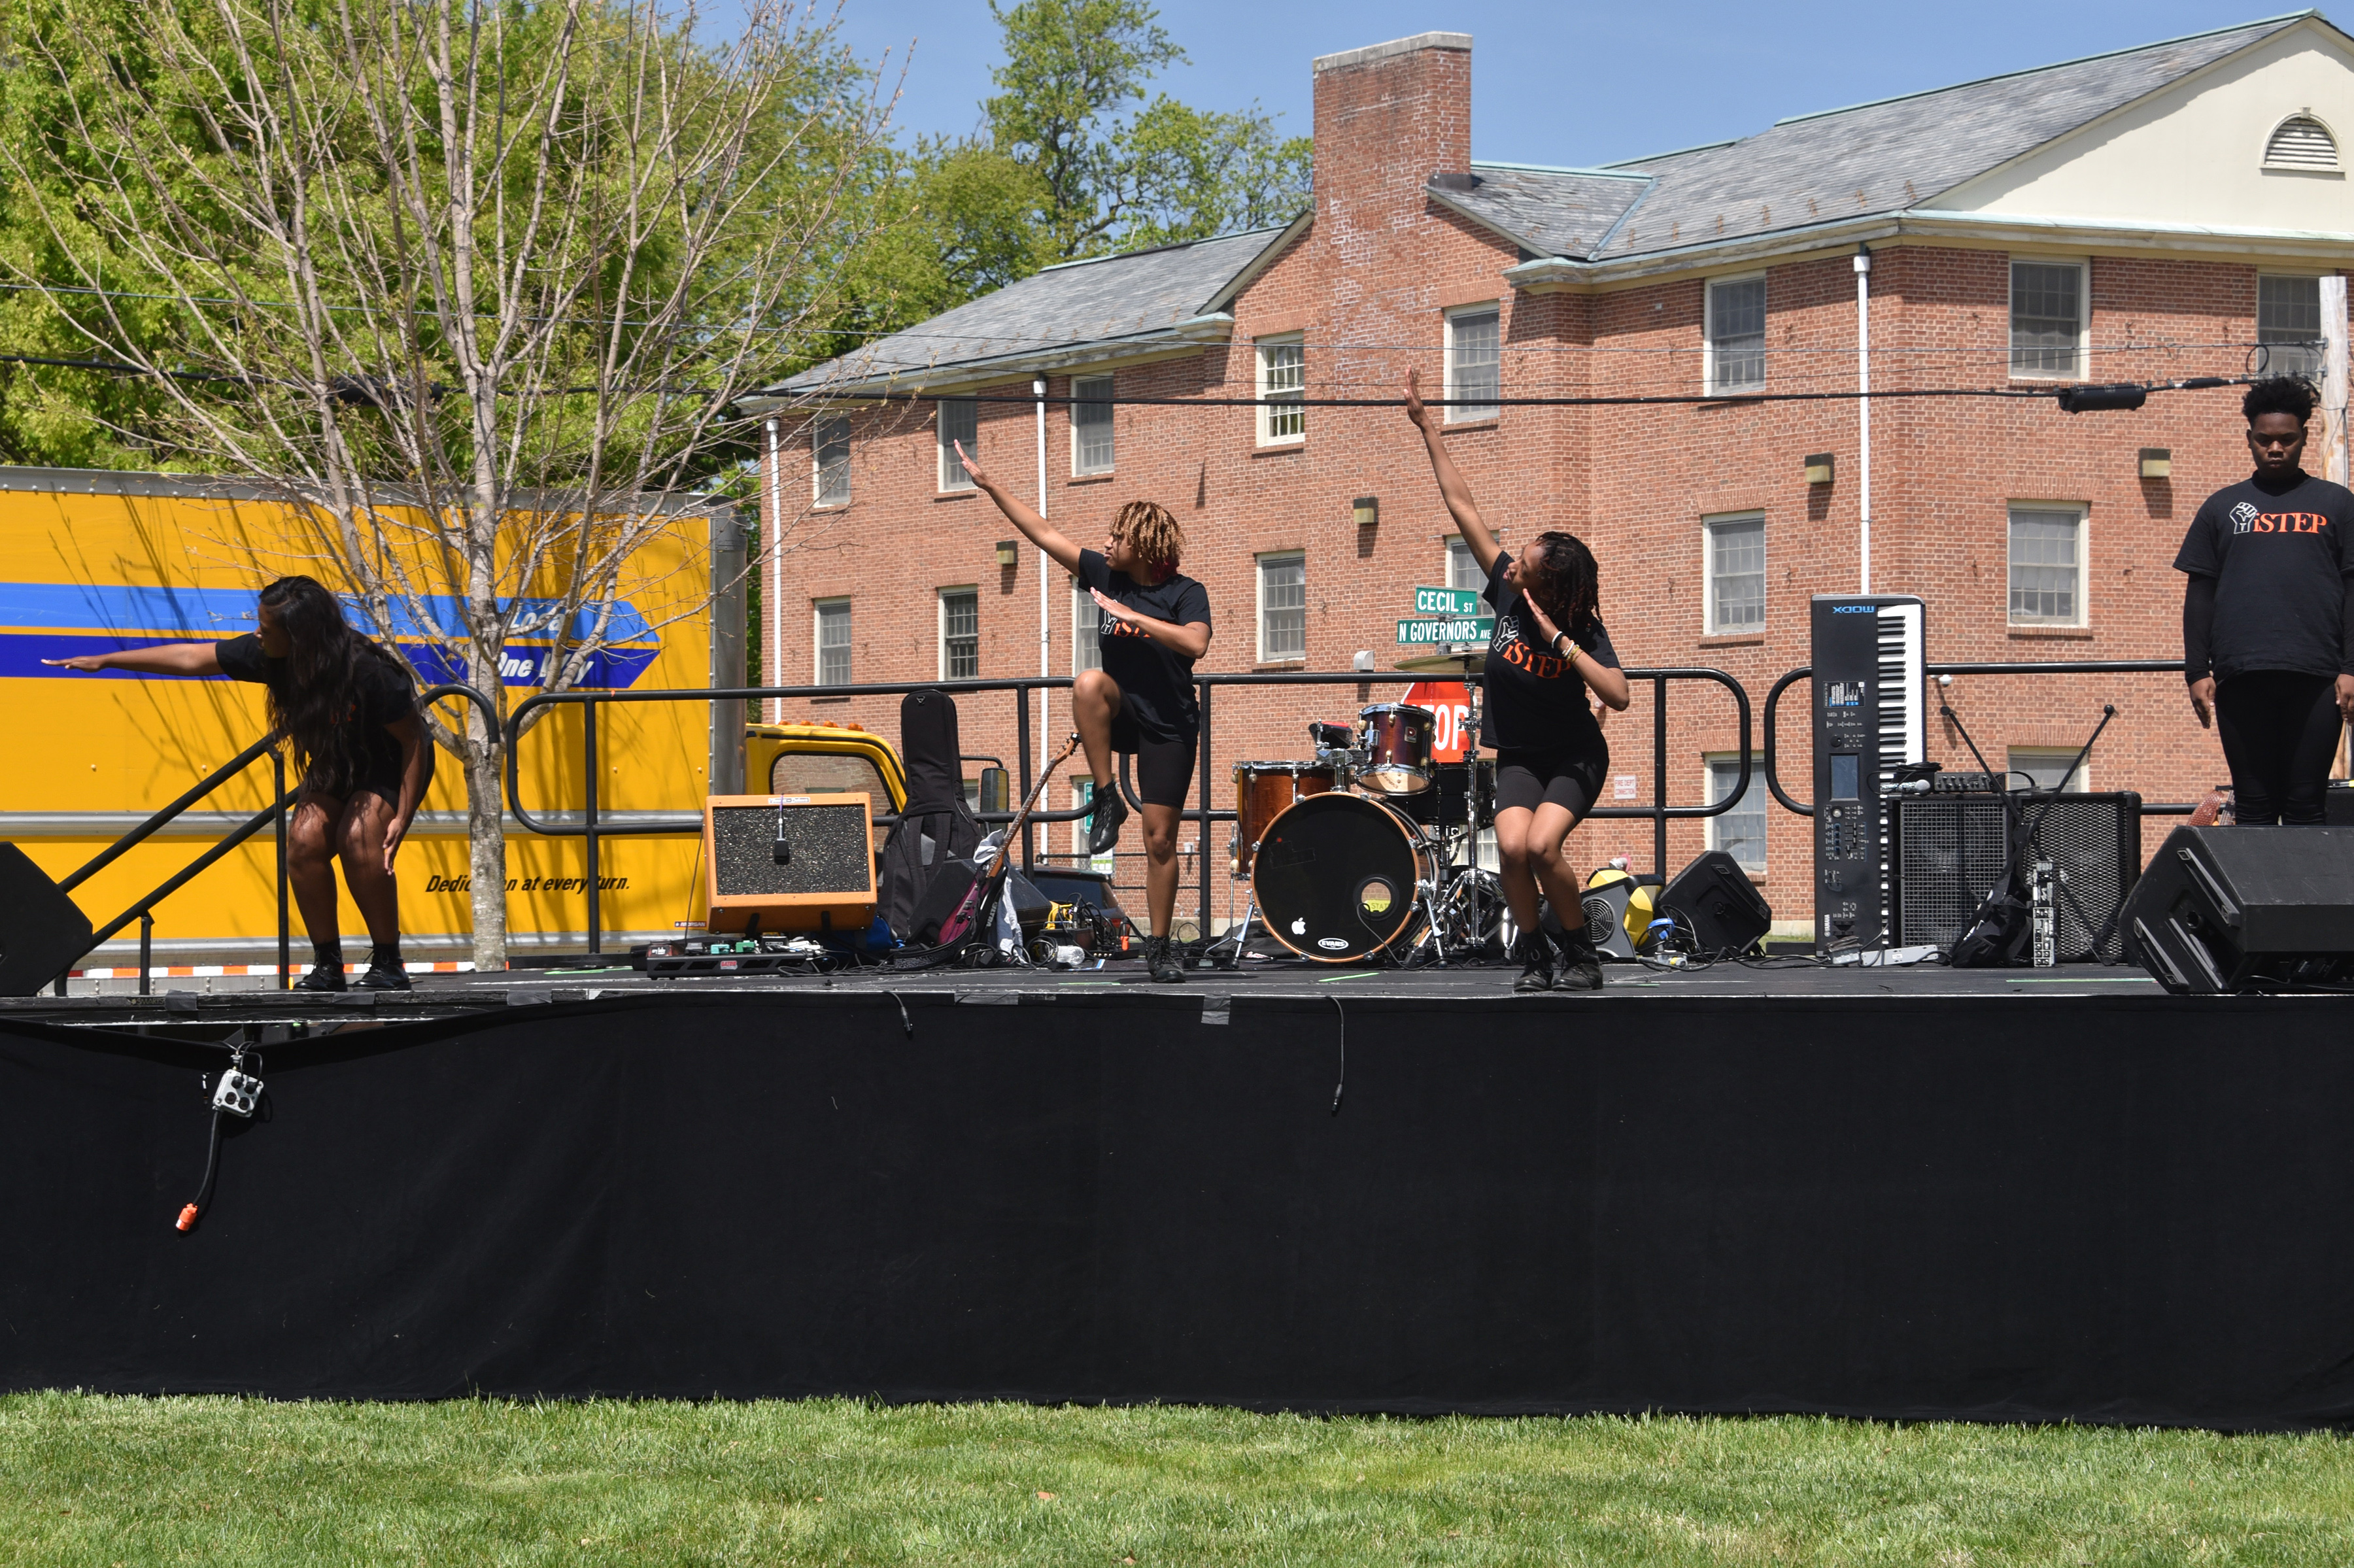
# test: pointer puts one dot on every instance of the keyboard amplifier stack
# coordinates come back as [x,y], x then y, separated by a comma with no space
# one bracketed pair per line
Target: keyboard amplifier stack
[1950,851]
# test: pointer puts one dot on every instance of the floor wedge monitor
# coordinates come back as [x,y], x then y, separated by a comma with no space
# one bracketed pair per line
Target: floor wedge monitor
[2224,910]
[41,930]
[790,862]
[1716,902]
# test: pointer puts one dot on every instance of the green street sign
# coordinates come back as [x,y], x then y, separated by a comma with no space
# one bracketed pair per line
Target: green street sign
[1446,601]
[1424,631]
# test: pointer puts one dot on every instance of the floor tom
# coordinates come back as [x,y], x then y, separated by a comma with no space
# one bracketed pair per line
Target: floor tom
[1262,792]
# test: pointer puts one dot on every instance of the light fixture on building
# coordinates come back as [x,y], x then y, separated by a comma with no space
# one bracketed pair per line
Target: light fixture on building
[1363,659]
[1367,510]
[1818,468]
[1009,551]
[2156,463]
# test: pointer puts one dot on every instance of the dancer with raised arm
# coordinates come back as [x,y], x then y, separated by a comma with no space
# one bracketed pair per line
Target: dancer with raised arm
[348,709]
[1154,624]
[1549,648]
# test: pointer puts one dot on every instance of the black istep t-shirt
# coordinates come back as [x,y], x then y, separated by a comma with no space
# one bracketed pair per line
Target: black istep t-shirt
[1156,684]
[1534,700]
[387,696]
[2280,560]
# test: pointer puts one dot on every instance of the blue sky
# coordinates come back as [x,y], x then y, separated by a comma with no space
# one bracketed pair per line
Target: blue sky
[1555,83]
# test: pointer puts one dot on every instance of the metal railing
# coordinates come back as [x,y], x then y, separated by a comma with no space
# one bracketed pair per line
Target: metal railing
[2043,667]
[142,909]
[1202,813]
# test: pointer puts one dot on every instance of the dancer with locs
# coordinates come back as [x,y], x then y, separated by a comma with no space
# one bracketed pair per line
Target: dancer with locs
[348,710]
[1548,647]
[2268,615]
[1154,624]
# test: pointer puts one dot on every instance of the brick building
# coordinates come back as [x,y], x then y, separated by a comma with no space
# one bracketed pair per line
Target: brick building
[2175,210]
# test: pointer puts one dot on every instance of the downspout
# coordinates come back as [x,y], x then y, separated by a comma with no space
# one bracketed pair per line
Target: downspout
[1045,641]
[772,540]
[1863,407]
[2333,373]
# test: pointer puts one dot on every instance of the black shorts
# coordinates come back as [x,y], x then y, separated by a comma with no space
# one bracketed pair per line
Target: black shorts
[1164,769]
[1527,779]
[335,790]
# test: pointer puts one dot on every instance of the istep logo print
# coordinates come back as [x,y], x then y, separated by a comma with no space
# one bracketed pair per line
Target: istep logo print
[2244,517]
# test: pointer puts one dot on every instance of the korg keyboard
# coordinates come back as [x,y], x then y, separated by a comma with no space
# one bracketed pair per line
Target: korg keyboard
[1868,690]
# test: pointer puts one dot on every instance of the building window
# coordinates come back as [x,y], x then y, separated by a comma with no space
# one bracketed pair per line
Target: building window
[1282,607]
[2301,142]
[960,634]
[2047,319]
[1740,832]
[1087,653]
[2046,767]
[1282,383]
[1463,566]
[1474,364]
[960,421]
[1091,424]
[2047,567]
[1736,573]
[1737,335]
[833,642]
[2288,325]
[830,461]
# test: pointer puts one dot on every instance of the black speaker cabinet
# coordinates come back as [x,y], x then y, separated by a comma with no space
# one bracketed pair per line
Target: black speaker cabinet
[2217,908]
[789,862]
[42,931]
[1714,900]
[1950,851]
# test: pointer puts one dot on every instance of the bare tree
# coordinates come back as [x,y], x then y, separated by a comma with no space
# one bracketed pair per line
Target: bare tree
[474,285]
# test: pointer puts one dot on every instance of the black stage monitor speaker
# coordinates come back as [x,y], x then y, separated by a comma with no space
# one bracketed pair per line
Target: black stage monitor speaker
[1949,851]
[2218,907]
[1722,909]
[41,930]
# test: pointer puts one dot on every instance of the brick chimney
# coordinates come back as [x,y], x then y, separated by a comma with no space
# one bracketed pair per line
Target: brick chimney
[1387,118]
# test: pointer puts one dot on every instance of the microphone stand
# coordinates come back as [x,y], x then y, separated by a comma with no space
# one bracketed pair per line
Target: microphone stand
[2020,840]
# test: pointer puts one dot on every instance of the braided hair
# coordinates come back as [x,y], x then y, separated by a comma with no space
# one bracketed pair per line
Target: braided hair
[1152,531]
[1559,574]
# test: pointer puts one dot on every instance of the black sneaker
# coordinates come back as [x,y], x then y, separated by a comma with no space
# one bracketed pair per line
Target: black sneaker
[384,976]
[1162,963]
[322,977]
[1536,962]
[1103,827]
[1576,966]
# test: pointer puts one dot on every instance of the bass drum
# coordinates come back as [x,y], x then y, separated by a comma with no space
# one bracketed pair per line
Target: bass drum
[1337,877]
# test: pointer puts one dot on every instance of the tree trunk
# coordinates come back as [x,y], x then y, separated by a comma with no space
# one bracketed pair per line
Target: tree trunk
[486,832]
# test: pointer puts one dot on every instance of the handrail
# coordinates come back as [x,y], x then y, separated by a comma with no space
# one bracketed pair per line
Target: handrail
[198,792]
[2035,667]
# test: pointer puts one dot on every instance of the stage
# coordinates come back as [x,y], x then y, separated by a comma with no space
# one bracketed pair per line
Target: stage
[1899,1194]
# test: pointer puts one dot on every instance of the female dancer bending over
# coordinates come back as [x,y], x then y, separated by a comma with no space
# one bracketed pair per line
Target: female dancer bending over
[1550,755]
[348,709]
[1155,624]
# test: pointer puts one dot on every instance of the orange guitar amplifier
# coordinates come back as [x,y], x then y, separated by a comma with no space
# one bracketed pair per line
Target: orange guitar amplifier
[790,862]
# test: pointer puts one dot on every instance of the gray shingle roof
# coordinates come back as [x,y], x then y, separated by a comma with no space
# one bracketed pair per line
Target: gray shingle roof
[1549,212]
[1081,303]
[1849,162]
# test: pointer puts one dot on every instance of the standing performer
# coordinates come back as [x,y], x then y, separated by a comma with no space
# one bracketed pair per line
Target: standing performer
[1550,754]
[2268,615]
[1155,624]
[348,709]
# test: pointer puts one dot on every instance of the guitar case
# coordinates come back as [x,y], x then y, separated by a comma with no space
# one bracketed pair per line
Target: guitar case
[937,831]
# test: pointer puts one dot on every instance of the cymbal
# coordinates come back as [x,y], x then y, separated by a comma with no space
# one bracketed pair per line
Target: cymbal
[1454,658]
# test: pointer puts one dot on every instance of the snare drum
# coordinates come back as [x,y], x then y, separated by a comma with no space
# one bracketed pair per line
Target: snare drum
[1262,791]
[1399,738]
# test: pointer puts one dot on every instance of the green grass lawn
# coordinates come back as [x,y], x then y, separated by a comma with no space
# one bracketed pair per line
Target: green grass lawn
[134,1481]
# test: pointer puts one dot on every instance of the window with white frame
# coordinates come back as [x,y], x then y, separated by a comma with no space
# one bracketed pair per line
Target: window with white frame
[830,461]
[1282,383]
[960,421]
[832,640]
[1474,363]
[1737,335]
[1091,424]
[2047,565]
[2288,325]
[1282,607]
[2047,767]
[1087,653]
[960,634]
[1463,566]
[1736,572]
[2047,319]
[1740,832]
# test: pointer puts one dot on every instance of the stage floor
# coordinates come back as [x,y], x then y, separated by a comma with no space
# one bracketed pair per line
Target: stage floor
[442,996]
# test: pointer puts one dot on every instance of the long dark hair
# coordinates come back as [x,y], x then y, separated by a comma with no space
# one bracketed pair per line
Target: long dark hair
[325,659]
[1562,578]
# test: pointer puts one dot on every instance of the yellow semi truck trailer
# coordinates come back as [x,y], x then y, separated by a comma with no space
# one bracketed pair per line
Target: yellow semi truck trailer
[90,561]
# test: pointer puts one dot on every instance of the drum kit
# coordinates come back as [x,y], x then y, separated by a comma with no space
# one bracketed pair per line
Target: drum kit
[1369,851]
